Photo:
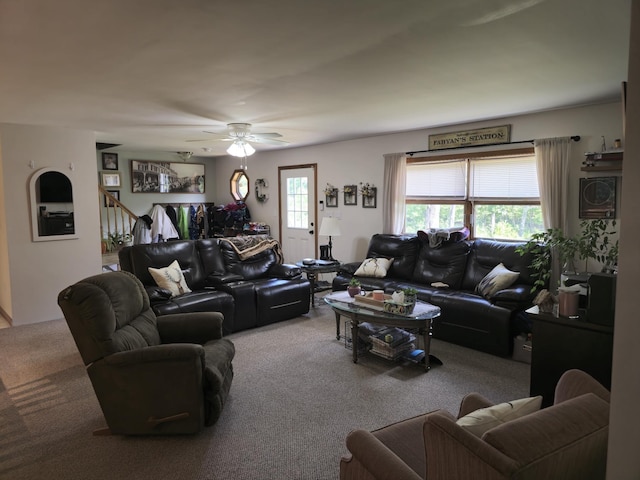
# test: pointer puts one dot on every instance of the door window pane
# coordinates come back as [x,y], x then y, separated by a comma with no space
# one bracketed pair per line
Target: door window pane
[297,202]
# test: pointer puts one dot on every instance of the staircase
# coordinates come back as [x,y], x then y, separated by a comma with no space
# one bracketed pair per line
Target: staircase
[116,228]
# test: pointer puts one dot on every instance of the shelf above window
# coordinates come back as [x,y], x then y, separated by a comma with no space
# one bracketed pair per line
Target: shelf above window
[602,161]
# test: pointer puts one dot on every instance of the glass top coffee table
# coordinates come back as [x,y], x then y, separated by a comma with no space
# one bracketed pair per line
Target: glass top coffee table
[421,319]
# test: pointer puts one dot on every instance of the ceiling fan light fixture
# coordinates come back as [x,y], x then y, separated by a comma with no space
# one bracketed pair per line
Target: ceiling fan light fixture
[185,155]
[240,148]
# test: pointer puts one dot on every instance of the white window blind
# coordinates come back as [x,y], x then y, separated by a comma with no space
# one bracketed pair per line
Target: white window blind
[443,180]
[514,178]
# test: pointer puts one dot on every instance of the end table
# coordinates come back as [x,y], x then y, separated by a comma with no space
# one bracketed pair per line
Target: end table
[313,270]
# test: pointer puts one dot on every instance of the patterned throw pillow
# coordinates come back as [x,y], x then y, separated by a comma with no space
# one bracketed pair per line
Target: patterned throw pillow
[485,419]
[374,267]
[170,278]
[497,279]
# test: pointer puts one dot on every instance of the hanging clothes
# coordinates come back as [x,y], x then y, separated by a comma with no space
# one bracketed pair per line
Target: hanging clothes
[161,229]
[171,212]
[200,220]
[183,222]
[211,221]
[193,223]
[142,230]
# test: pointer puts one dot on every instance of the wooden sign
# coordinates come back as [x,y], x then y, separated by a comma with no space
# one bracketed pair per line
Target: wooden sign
[471,138]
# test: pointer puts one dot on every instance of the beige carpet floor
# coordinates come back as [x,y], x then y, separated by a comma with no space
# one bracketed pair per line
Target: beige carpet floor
[295,396]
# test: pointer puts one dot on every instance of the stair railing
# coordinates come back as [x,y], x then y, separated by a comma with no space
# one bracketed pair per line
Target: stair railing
[116,218]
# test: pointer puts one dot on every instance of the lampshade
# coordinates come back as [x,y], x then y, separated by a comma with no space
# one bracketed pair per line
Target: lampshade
[330,227]
[240,148]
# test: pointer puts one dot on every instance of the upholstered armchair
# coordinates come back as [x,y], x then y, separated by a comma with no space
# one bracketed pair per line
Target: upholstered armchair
[152,375]
[567,441]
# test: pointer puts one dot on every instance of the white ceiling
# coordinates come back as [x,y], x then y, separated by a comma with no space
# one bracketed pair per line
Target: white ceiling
[153,74]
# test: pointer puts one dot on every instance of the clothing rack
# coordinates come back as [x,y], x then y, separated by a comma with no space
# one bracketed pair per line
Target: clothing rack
[575,138]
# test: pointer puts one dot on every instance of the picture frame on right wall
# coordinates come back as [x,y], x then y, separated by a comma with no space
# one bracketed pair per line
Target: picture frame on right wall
[598,197]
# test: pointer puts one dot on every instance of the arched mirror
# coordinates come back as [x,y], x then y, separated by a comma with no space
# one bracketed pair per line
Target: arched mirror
[51,196]
[239,185]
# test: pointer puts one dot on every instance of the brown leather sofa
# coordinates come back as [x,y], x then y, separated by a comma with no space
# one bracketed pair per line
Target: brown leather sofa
[467,318]
[249,292]
[566,441]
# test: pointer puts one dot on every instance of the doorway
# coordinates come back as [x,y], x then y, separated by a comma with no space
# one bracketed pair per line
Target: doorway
[298,213]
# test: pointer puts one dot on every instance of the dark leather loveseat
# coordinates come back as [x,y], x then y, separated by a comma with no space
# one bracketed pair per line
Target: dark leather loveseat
[249,292]
[467,318]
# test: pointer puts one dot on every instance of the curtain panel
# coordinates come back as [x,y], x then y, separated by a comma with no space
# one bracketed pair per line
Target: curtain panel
[394,193]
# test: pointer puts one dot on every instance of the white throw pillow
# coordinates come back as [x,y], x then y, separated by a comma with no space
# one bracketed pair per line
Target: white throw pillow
[374,267]
[497,279]
[484,419]
[170,278]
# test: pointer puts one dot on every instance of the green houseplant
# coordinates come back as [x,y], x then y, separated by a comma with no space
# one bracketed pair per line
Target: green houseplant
[354,288]
[594,241]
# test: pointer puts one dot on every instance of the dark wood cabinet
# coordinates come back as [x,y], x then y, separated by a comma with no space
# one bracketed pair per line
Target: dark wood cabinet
[560,344]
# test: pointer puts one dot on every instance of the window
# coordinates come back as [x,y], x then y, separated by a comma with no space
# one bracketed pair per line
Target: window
[494,193]
[297,202]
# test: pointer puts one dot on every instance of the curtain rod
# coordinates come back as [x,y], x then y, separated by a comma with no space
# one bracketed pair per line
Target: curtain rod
[575,138]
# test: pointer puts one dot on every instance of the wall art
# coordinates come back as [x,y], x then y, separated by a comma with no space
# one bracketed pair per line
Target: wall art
[150,176]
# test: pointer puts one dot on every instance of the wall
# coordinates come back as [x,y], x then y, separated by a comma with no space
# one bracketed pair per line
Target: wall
[356,161]
[38,271]
[624,433]
[141,203]
[5,278]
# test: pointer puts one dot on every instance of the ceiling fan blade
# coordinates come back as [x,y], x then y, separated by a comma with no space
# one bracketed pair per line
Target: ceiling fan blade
[216,134]
[226,139]
[266,135]
[267,141]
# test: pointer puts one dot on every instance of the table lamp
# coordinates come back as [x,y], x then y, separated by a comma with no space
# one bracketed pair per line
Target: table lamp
[330,227]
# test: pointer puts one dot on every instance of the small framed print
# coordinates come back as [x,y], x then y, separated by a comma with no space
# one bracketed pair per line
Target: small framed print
[110,179]
[331,199]
[598,197]
[109,161]
[370,200]
[108,202]
[350,194]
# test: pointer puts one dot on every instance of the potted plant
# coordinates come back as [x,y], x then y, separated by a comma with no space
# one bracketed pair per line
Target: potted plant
[410,295]
[594,241]
[354,288]
[117,240]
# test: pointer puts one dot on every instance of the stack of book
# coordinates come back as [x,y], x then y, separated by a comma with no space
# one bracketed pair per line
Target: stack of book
[392,343]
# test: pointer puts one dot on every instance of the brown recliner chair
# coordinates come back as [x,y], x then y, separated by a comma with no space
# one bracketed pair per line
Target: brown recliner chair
[152,375]
[566,441]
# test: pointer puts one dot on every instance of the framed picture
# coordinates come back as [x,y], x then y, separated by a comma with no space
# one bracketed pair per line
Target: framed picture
[331,197]
[108,202]
[110,179]
[109,161]
[598,197]
[370,197]
[150,176]
[350,194]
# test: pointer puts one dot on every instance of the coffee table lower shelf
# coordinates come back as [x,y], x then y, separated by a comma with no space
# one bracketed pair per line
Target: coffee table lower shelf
[405,351]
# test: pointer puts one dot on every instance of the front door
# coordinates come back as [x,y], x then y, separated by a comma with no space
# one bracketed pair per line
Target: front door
[298,232]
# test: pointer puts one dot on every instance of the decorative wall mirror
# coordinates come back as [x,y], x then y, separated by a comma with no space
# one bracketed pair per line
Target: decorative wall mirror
[239,185]
[51,197]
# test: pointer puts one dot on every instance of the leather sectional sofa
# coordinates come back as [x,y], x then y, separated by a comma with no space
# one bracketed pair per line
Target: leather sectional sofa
[249,292]
[467,318]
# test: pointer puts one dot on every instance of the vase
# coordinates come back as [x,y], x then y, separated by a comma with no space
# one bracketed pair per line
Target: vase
[569,267]
[353,291]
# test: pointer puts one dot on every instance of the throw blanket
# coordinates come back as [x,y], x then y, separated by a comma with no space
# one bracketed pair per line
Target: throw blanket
[249,245]
[437,236]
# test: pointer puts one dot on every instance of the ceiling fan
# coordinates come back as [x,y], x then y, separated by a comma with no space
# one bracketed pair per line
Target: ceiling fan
[241,136]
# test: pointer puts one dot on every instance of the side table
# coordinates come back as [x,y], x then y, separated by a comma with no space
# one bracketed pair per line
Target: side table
[561,343]
[312,271]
